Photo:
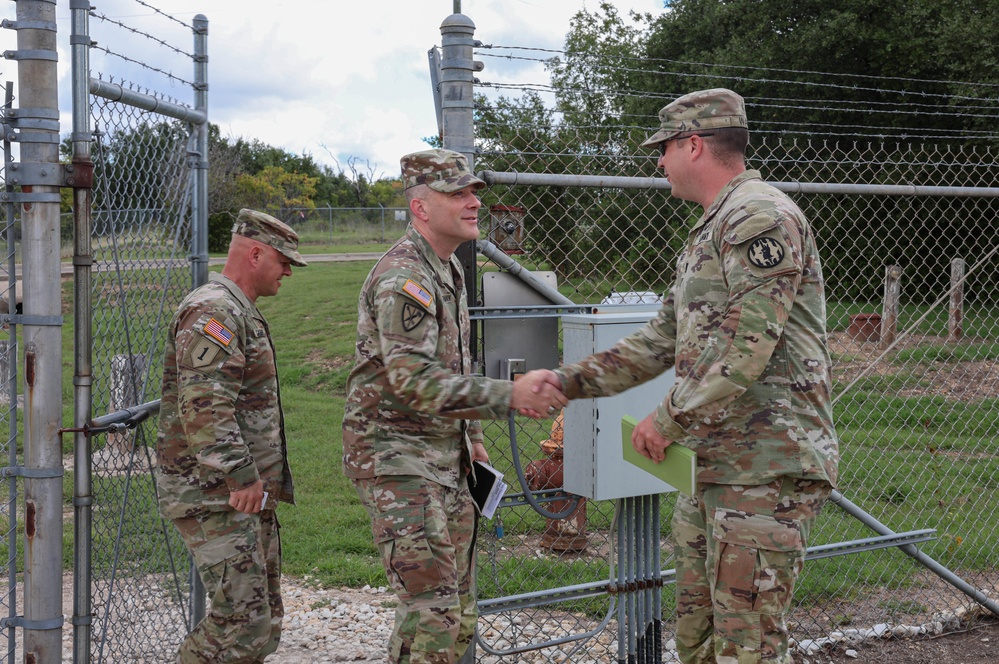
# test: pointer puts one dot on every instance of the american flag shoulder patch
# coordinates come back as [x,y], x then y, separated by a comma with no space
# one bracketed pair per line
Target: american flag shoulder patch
[418,293]
[219,332]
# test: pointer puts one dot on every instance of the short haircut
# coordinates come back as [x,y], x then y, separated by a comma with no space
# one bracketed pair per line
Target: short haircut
[417,191]
[728,144]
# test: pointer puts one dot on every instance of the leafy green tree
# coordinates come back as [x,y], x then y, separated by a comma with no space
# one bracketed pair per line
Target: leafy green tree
[274,189]
[896,64]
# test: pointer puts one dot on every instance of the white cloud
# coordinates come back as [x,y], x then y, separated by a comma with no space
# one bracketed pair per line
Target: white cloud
[353,78]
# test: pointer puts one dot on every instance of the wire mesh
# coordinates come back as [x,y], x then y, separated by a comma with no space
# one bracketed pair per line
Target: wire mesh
[141,239]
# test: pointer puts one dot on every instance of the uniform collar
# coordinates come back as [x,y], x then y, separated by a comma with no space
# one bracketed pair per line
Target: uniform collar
[441,267]
[724,194]
[216,278]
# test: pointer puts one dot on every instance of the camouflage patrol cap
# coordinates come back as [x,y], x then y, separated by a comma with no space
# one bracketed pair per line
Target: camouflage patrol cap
[265,228]
[441,170]
[699,111]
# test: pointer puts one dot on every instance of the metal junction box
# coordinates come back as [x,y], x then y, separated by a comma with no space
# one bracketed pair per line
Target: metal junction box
[594,464]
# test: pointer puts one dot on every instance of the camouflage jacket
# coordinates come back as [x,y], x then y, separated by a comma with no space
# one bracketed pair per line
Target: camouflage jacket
[221,424]
[411,404]
[744,326]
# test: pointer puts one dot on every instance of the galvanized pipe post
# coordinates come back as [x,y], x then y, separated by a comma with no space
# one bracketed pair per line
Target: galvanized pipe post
[40,177]
[199,230]
[457,67]
[82,333]
[199,201]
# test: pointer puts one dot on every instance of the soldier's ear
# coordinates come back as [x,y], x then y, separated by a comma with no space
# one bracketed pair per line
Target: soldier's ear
[418,208]
[255,254]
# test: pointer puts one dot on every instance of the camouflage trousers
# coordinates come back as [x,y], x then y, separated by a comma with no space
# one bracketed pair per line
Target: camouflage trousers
[739,551]
[239,559]
[426,535]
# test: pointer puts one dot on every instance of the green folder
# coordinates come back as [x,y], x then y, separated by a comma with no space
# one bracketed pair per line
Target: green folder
[678,469]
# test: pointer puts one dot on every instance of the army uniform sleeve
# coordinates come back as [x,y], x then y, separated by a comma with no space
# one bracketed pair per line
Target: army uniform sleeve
[762,261]
[641,356]
[412,346]
[210,372]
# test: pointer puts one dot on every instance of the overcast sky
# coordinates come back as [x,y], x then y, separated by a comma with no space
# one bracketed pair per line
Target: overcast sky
[324,77]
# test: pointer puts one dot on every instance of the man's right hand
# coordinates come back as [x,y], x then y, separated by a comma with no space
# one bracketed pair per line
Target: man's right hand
[538,394]
[248,500]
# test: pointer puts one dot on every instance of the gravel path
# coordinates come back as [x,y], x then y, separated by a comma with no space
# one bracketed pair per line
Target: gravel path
[326,626]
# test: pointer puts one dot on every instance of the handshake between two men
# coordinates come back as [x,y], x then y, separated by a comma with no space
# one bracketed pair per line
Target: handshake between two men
[539,394]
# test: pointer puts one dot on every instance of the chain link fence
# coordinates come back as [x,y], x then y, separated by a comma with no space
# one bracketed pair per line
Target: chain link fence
[344,225]
[908,234]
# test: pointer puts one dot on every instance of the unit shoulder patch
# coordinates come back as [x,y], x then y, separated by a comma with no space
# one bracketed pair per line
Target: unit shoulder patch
[765,253]
[412,316]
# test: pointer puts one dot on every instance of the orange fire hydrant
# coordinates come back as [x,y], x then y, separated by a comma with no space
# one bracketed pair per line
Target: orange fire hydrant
[568,534]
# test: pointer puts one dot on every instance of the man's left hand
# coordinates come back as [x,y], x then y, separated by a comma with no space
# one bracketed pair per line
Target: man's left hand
[648,442]
[248,500]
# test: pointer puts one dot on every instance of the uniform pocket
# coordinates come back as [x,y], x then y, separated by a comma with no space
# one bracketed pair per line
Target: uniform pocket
[758,562]
[408,557]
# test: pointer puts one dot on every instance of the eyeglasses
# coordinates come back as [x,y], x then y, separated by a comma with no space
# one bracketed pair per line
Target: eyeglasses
[662,146]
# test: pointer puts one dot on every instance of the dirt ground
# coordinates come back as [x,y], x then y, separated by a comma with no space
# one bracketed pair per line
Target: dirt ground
[979,644]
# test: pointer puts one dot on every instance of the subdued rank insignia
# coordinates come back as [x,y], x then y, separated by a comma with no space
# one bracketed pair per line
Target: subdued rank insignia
[411,316]
[765,252]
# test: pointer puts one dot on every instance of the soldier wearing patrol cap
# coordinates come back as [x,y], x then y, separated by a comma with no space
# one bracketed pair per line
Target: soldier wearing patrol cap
[744,326]
[410,427]
[222,457]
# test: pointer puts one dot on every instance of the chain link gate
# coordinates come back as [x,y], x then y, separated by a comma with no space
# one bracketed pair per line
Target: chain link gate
[149,155]
[909,240]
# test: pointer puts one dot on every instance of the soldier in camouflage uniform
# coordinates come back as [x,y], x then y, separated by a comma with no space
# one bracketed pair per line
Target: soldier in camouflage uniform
[221,451]
[744,326]
[410,428]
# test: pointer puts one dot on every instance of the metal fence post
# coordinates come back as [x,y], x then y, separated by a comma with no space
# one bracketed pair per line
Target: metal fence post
[39,179]
[82,334]
[457,41]
[199,201]
[199,230]
[955,322]
[457,67]
[893,293]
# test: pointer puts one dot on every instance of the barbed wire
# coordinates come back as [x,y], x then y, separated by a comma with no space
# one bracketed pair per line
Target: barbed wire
[749,67]
[168,16]
[779,103]
[779,128]
[135,88]
[108,19]
[143,65]
[831,86]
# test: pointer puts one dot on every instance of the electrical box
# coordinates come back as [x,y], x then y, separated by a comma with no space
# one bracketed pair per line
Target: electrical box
[531,339]
[594,463]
